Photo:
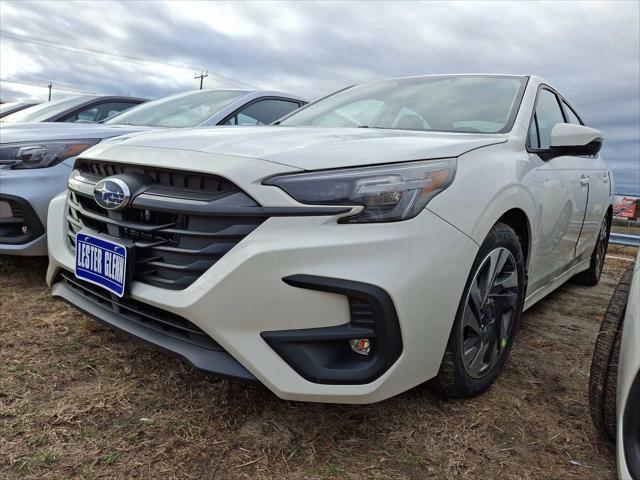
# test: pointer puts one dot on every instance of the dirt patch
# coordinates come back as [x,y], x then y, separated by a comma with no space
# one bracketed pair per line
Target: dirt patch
[78,400]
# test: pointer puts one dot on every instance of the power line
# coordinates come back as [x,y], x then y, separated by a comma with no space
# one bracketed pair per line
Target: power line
[30,78]
[33,84]
[85,51]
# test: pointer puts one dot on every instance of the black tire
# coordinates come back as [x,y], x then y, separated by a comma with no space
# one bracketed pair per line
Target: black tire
[603,380]
[591,277]
[454,378]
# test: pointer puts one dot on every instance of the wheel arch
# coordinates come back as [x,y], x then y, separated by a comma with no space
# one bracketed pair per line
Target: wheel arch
[517,219]
[516,207]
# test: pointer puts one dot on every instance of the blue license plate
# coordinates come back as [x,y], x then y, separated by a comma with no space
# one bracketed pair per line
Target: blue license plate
[101,262]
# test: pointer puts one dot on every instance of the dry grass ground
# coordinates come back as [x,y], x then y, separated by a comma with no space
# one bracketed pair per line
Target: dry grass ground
[78,400]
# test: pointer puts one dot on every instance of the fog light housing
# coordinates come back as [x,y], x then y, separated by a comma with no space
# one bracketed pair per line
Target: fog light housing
[342,354]
[361,346]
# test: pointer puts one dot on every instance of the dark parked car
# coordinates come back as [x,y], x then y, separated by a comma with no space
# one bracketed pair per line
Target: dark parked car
[80,109]
[614,384]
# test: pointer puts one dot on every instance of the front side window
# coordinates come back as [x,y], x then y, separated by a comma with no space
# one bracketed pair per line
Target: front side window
[571,115]
[534,140]
[181,110]
[99,112]
[263,112]
[457,103]
[547,115]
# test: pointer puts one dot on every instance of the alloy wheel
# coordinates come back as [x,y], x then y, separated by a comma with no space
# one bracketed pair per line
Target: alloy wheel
[488,313]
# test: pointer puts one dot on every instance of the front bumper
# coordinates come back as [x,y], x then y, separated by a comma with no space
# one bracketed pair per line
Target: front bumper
[29,193]
[243,294]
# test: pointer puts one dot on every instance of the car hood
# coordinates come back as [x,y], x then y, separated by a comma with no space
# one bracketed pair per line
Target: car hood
[43,131]
[312,148]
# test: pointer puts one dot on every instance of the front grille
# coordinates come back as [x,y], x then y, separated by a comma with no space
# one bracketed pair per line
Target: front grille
[188,223]
[140,313]
[186,182]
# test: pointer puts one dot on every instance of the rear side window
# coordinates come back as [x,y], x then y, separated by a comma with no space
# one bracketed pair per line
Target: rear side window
[547,115]
[263,112]
[571,115]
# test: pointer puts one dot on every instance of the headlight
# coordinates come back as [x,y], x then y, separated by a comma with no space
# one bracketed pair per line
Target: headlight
[42,154]
[388,192]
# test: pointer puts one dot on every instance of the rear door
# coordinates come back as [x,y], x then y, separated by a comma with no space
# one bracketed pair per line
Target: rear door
[596,175]
[562,194]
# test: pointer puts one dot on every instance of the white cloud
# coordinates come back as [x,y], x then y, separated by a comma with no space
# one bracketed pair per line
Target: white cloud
[590,51]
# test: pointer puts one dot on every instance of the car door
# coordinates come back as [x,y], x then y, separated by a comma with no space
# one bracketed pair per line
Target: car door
[262,112]
[596,176]
[562,194]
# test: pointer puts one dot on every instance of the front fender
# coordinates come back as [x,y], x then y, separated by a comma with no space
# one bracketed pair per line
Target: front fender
[489,182]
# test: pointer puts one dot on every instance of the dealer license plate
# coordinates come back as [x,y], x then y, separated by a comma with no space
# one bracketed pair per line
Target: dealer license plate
[101,262]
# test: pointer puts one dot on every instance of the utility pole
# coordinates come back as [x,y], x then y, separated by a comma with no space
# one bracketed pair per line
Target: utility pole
[49,87]
[203,74]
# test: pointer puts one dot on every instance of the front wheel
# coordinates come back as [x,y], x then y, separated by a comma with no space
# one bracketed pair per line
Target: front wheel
[487,316]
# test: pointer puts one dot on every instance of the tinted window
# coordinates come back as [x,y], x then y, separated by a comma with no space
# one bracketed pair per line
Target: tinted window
[263,112]
[99,112]
[44,111]
[181,110]
[461,103]
[571,116]
[548,114]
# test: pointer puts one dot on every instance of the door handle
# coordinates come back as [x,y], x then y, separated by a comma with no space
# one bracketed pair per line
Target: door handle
[584,180]
[605,178]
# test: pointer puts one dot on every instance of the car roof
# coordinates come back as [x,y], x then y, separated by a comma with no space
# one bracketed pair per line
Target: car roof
[59,108]
[254,93]
[435,75]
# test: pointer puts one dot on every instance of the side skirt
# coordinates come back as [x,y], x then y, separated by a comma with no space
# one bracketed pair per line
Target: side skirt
[546,289]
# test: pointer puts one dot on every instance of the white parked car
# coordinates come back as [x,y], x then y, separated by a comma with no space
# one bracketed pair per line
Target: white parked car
[383,236]
[614,384]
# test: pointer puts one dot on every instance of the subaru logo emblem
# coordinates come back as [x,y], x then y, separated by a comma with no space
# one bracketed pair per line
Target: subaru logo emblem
[111,193]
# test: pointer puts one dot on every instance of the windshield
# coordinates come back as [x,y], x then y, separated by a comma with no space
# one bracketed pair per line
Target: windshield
[476,104]
[180,110]
[44,111]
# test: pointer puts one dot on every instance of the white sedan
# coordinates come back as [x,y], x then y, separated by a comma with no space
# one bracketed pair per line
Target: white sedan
[388,234]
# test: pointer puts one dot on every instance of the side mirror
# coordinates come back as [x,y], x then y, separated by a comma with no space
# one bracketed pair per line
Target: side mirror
[575,140]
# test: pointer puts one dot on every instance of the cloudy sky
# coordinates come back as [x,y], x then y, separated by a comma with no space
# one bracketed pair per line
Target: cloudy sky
[590,51]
